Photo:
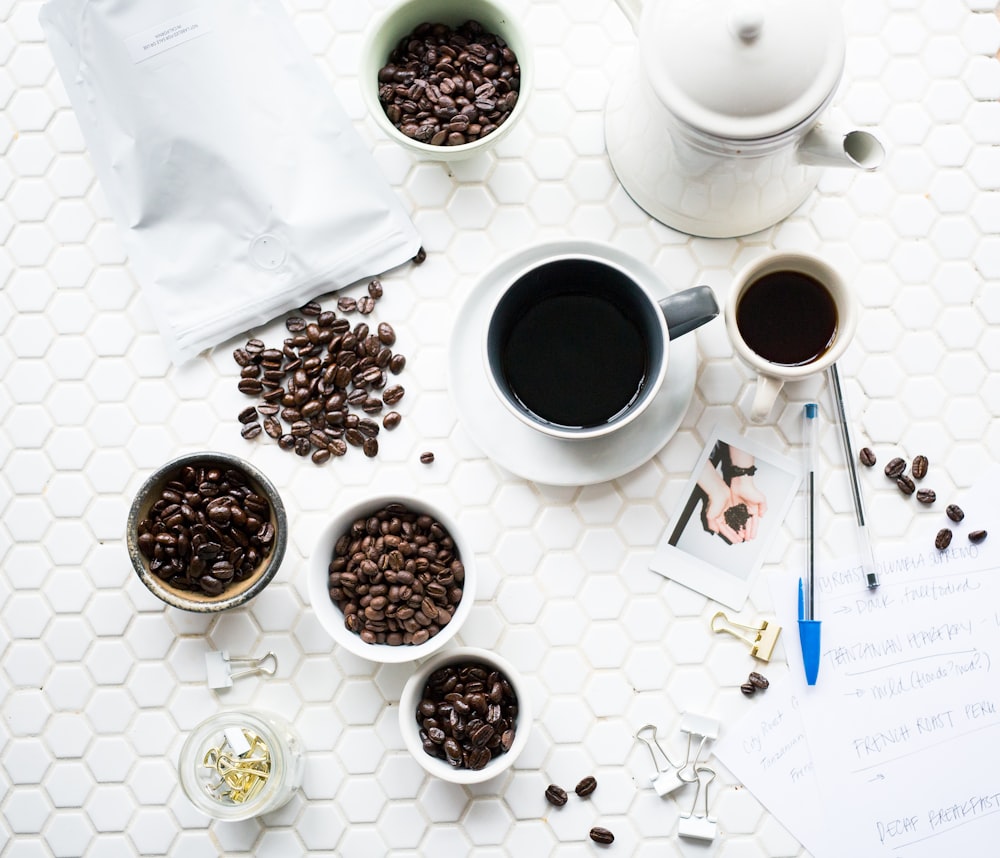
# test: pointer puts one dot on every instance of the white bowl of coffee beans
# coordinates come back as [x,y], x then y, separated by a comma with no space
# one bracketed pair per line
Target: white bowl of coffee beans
[446,78]
[206,532]
[465,715]
[391,579]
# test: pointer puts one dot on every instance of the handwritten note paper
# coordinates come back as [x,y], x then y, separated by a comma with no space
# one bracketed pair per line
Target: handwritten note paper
[901,728]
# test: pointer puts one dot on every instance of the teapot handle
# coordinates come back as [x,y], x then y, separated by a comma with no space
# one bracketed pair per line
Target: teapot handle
[632,10]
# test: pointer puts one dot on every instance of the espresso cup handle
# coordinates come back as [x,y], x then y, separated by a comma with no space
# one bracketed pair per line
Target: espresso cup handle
[689,309]
[764,396]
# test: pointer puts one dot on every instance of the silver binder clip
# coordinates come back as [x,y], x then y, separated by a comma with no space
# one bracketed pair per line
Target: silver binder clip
[219,667]
[761,639]
[705,729]
[692,825]
[666,773]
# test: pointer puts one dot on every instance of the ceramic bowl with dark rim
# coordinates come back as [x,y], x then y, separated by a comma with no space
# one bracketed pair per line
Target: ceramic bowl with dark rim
[222,532]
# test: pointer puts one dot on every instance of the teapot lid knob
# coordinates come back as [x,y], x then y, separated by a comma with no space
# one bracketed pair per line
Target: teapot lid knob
[746,22]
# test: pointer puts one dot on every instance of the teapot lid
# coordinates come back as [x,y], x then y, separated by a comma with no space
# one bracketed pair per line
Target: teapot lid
[742,69]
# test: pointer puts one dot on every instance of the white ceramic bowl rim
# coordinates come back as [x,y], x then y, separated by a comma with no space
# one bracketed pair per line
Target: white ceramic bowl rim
[411,697]
[332,618]
[399,19]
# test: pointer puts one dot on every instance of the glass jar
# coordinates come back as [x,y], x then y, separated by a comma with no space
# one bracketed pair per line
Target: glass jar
[240,764]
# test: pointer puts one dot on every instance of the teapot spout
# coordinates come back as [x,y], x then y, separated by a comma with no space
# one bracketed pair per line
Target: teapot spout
[827,148]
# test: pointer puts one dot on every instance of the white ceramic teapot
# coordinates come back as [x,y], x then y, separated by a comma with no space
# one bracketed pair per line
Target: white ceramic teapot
[715,129]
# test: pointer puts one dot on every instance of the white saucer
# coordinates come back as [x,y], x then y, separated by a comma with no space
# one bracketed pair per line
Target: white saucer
[530,454]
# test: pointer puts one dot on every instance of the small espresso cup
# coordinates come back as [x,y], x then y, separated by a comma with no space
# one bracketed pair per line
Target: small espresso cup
[577,346]
[789,316]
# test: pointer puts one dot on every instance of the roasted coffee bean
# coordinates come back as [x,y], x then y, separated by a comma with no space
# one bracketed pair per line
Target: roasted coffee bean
[370,447]
[977,536]
[586,786]
[392,420]
[927,496]
[386,334]
[556,795]
[919,467]
[954,512]
[426,458]
[366,304]
[448,707]
[895,468]
[375,288]
[250,430]
[448,87]
[250,386]
[943,539]
[295,324]
[248,414]
[346,304]
[421,257]
[867,457]
[758,680]
[392,395]
[396,364]
[311,309]
[905,484]
[748,688]
[601,835]
[208,528]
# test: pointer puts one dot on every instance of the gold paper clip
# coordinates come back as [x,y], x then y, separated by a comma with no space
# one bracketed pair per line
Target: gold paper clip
[690,824]
[765,636]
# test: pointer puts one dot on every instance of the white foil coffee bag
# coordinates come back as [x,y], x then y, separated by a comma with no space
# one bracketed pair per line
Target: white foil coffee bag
[239,184]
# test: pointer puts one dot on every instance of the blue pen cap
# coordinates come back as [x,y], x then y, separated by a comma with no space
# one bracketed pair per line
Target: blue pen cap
[809,639]
[812,409]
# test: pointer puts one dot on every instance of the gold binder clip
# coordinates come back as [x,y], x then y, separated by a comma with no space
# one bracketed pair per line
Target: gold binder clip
[765,636]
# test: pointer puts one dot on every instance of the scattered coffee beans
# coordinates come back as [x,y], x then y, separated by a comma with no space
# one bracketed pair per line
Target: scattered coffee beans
[325,369]
[556,795]
[927,496]
[919,467]
[427,458]
[748,688]
[207,530]
[448,87]
[601,835]
[468,715]
[954,512]
[397,576]
[977,536]
[586,786]
[867,457]
[906,485]
[943,539]
[895,468]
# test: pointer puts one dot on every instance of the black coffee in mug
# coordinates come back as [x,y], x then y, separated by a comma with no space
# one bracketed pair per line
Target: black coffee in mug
[787,317]
[572,342]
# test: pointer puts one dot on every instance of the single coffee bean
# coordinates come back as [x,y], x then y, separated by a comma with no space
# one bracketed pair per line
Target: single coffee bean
[927,496]
[895,468]
[758,680]
[586,786]
[919,467]
[392,420]
[977,536]
[954,512]
[943,539]
[312,308]
[375,288]
[392,395]
[250,430]
[905,484]
[601,835]
[248,414]
[426,458]
[421,257]
[748,688]
[555,795]
[346,304]
[866,456]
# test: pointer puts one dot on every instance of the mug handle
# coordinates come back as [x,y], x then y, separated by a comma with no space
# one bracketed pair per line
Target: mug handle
[764,396]
[689,309]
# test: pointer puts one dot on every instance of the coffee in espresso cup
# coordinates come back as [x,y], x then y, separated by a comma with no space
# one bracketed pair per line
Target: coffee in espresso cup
[577,346]
[789,316]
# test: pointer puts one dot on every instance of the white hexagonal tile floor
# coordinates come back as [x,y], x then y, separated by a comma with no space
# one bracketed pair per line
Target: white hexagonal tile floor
[100,683]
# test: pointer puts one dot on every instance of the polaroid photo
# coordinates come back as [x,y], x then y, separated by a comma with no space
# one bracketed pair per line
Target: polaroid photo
[733,507]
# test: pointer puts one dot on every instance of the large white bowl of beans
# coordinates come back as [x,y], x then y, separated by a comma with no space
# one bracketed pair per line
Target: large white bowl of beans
[391,578]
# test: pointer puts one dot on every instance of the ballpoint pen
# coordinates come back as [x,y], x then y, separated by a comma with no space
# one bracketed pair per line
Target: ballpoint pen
[867,552]
[809,626]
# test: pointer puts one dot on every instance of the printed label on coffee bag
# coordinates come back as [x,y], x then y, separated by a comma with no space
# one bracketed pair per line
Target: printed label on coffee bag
[168,34]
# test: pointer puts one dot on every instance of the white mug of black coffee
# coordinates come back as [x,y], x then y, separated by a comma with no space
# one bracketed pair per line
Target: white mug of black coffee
[789,316]
[577,346]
